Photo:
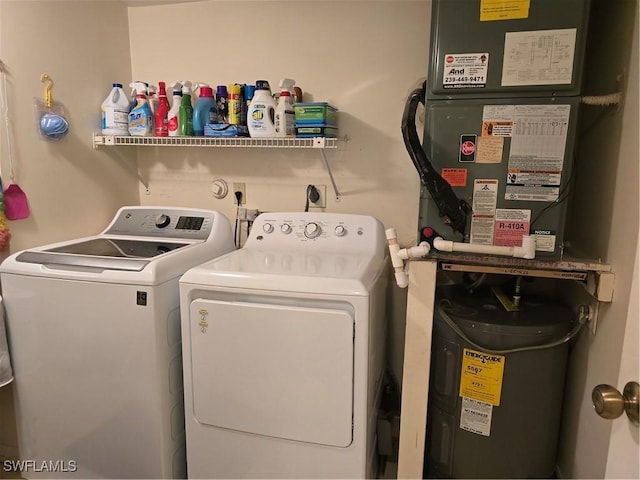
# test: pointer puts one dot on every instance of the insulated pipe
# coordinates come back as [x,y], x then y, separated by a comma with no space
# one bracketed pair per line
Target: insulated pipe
[527,250]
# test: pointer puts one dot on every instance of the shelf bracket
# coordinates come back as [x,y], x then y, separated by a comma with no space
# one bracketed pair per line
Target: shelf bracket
[326,164]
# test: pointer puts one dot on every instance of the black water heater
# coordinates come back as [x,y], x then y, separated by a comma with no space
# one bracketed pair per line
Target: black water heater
[495,415]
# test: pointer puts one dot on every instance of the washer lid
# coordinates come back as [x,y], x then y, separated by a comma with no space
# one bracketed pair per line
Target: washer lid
[107,253]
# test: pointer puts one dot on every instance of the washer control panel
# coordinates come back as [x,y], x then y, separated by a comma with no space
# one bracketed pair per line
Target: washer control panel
[324,231]
[164,222]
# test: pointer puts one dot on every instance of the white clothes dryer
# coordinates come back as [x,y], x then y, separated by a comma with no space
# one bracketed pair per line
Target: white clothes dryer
[283,350]
[94,335]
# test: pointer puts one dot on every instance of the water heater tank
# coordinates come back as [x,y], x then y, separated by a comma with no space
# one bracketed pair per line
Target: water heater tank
[494,415]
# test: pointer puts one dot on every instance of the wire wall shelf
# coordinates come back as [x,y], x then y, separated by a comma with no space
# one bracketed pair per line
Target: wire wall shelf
[318,143]
[236,142]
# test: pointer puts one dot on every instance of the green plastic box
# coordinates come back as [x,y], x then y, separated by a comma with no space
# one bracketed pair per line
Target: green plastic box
[316,113]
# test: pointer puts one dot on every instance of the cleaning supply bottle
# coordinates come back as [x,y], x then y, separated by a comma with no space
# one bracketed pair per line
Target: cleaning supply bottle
[161,115]
[234,104]
[260,117]
[173,119]
[115,112]
[205,110]
[285,116]
[223,108]
[140,117]
[248,96]
[152,98]
[185,114]
[133,101]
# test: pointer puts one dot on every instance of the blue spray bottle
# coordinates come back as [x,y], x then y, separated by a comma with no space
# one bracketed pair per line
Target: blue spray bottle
[140,116]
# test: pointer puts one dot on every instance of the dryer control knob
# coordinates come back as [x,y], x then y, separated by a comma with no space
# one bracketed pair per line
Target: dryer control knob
[267,228]
[286,228]
[162,220]
[312,230]
[340,231]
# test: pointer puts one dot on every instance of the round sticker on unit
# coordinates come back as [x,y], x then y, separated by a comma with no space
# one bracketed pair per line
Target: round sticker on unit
[467,148]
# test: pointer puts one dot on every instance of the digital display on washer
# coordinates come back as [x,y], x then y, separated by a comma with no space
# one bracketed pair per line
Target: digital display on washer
[104,247]
[189,223]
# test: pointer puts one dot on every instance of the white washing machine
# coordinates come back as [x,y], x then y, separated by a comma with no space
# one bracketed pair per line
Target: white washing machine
[94,335]
[283,350]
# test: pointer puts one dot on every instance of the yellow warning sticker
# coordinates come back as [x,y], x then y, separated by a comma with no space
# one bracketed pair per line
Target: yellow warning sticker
[491,10]
[481,376]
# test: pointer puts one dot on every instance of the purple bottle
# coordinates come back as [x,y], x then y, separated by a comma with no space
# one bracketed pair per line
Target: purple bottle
[221,101]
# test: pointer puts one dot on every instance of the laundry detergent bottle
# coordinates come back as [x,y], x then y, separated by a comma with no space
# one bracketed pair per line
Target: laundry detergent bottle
[140,117]
[205,110]
[185,114]
[261,114]
[173,119]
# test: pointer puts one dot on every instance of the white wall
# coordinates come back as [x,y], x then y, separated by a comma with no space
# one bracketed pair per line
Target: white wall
[73,190]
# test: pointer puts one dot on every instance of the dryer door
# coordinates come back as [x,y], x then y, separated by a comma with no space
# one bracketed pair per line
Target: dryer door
[276,370]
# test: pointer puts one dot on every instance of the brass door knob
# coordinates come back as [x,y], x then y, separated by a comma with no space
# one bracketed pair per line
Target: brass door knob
[609,403]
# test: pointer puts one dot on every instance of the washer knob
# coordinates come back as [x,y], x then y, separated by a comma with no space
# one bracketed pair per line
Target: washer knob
[162,220]
[267,228]
[340,231]
[312,230]
[286,228]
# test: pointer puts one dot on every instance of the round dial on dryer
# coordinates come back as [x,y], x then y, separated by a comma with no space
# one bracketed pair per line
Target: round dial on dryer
[162,220]
[312,230]
[340,231]
[286,228]
[267,228]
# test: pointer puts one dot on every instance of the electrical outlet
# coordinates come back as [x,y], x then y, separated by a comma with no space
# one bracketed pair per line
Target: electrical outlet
[239,187]
[322,201]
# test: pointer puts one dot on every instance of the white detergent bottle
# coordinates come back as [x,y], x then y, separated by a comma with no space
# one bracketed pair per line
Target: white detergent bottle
[285,116]
[173,120]
[140,117]
[261,113]
[115,112]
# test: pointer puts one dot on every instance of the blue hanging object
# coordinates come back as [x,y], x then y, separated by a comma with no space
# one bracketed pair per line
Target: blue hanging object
[52,123]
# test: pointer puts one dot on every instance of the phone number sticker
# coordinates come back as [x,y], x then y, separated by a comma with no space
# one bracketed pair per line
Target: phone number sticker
[465,70]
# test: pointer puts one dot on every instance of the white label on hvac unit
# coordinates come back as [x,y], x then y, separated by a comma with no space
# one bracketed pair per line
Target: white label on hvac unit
[542,57]
[465,70]
[536,157]
[485,198]
[545,240]
[475,416]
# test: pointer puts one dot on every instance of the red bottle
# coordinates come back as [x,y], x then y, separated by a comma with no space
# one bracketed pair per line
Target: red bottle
[162,128]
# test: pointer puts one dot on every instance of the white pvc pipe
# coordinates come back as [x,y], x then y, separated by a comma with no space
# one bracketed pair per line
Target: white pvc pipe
[419,251]
[527,250]
[396,261]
